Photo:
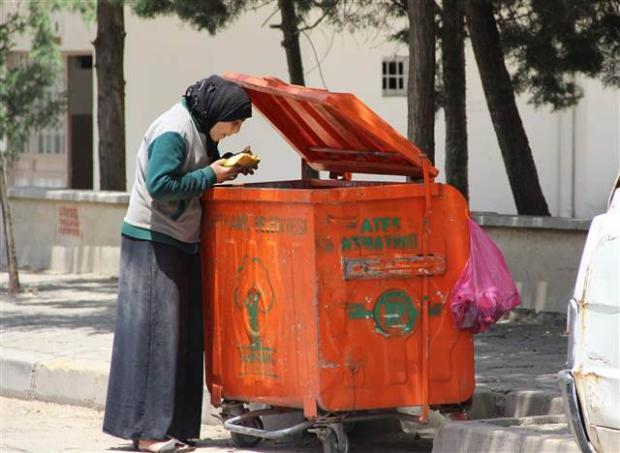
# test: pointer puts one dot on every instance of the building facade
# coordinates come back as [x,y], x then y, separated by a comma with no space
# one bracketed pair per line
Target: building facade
[577,151]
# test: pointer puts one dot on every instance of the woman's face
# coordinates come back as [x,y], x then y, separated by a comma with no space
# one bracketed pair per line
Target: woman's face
[223,129]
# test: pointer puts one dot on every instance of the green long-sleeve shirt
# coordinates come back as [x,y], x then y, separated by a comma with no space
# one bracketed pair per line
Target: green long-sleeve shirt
[171,173]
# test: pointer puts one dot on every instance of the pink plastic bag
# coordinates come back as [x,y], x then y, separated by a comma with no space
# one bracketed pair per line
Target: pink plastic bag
[485,290]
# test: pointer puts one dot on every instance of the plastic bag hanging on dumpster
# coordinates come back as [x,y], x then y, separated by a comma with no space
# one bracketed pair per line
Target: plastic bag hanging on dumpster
[485,290]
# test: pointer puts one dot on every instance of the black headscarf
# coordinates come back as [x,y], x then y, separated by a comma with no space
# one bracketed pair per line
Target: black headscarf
[214,99]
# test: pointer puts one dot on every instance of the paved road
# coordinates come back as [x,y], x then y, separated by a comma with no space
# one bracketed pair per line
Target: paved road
[525,354]
[60,330]
[72,317]
[35,426]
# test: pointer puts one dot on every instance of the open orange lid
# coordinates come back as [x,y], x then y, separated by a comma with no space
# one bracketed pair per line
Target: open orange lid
[333,132]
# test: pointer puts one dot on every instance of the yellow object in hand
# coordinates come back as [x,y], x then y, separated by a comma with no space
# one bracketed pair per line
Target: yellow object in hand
[245,159]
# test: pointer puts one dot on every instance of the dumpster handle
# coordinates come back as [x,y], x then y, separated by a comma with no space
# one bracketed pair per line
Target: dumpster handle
[346,221]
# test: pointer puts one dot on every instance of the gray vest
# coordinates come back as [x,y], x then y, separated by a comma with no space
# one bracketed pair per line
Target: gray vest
[178,219]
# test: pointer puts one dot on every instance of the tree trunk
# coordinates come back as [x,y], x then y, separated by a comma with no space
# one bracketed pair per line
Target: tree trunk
[7,224]
[290,30]
[500,98]
[290,42]
[421,88]
[453,64]
[109,48]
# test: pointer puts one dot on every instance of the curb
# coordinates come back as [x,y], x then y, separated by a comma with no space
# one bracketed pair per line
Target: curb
[518,403]
[530,434]
[35,376]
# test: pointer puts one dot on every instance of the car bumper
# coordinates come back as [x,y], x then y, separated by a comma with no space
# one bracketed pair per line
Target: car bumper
[572,409]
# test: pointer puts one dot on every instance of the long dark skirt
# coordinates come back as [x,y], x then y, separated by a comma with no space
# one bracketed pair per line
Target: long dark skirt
[156,376]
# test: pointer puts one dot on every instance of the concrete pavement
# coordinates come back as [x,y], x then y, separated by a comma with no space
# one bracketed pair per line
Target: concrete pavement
[35,426]
[56,341]
[56,338]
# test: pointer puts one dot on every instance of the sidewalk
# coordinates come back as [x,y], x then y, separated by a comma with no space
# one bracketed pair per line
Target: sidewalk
[56,341]
[56,338]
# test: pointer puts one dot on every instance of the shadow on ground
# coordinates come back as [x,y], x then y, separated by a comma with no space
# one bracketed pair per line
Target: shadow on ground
[64,303]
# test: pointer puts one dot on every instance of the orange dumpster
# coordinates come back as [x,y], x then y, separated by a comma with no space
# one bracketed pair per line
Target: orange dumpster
[331,296]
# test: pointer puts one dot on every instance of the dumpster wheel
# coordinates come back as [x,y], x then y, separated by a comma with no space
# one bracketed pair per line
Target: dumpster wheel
[333,437]
[244,440]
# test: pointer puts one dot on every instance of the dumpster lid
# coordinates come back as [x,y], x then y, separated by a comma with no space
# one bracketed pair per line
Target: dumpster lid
[333,132]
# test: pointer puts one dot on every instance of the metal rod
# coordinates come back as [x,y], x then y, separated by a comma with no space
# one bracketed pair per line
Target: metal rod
[233,424]
[426,232]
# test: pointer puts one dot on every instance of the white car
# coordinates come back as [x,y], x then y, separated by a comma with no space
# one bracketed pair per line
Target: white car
[591,383]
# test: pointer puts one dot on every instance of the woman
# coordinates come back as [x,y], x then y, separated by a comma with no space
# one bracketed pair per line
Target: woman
[156,375]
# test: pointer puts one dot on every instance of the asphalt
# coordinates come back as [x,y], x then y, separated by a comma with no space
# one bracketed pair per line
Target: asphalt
[56,339]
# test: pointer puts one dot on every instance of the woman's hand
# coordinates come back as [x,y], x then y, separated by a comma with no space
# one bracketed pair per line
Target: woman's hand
[222,173]
[248,170]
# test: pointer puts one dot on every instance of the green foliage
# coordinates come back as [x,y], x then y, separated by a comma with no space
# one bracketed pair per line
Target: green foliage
[211,15]
[548,42]
[26,102]
[383,15]
[86,8]
[215,15]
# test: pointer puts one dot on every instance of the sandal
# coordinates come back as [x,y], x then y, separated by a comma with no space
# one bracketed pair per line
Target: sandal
[189,442]
[171,445]
[183,446]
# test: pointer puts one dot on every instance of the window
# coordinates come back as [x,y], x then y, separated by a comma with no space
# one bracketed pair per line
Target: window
[15,59]
[85,61]
[395,73]
[49,140]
